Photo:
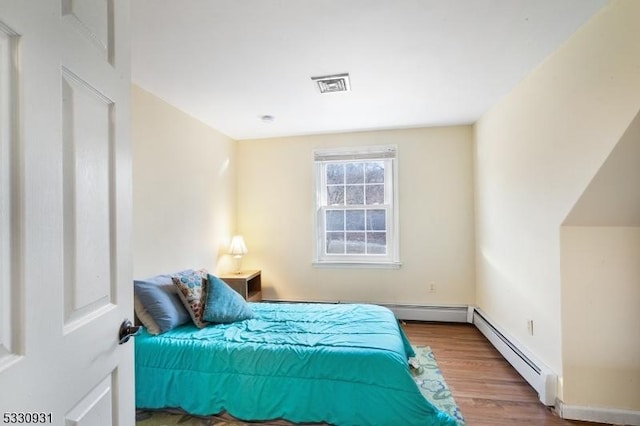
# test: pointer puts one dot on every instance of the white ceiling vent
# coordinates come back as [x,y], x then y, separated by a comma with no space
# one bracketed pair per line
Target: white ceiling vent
[333,83]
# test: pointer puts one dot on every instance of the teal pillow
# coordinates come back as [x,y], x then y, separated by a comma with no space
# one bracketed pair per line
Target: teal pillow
[224,304]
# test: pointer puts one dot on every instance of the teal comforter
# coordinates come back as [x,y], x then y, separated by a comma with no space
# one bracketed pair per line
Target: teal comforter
[344,364]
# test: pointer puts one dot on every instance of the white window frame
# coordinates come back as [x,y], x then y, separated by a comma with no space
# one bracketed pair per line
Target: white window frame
[322,157]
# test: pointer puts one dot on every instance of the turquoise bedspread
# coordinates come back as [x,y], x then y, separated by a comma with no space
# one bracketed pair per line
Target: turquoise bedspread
[344,364]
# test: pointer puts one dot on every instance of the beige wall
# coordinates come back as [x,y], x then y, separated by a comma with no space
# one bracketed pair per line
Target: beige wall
[600,259]
[613,195]
[601,341]
[276,210]
[536,152]
[183,189]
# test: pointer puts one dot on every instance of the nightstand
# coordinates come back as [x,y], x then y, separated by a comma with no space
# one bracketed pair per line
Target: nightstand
[247,283]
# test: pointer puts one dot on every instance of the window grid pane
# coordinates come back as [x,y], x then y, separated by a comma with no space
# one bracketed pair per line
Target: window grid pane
[335,243]
[354,195]
[354,173]
[355,231]
[355,202]
[355,183]
[374,194]
[374,172]
[335,173]
[335,195]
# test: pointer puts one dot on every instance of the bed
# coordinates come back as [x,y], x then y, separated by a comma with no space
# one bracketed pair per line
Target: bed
[342,364]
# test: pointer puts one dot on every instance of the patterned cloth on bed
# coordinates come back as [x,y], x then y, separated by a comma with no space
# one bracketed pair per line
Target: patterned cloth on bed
[344,364]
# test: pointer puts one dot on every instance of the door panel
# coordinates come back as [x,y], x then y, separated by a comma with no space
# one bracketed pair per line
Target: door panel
[10,293]
[94,19]
[87,189]
[65,211]
[96,408]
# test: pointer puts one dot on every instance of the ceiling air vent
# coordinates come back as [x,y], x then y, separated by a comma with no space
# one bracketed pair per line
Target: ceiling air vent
[333,83]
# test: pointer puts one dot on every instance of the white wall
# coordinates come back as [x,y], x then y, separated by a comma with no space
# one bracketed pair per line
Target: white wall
[536,152]
[276,210]
[183,189]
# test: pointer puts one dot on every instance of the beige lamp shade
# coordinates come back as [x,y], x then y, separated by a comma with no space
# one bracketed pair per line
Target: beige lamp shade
[237,246]
[237,249]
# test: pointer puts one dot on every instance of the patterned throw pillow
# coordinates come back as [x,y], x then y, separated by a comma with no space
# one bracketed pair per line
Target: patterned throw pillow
[192,289]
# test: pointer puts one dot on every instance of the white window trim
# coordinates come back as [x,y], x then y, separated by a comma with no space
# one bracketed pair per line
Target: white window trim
[388,261]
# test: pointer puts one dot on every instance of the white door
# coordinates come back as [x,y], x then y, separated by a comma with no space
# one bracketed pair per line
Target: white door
[65,213]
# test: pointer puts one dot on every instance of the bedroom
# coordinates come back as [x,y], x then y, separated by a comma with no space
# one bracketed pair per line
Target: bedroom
[471,260]
[511,213]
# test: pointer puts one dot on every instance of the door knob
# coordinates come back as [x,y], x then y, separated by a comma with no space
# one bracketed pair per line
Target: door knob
[127,330]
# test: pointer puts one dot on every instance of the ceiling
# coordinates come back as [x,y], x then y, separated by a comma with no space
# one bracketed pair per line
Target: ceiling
[412,63]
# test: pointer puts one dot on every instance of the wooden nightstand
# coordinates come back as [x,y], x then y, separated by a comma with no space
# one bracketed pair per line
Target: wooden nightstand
[247,283]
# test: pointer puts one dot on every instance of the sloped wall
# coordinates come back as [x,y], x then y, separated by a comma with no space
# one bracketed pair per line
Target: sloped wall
[600,252]
[536,152]
[613,195]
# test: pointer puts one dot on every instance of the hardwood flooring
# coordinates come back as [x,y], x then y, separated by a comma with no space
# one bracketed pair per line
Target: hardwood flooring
[487,389]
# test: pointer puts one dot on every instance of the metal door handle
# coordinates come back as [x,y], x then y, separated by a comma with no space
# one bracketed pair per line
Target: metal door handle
[127,330]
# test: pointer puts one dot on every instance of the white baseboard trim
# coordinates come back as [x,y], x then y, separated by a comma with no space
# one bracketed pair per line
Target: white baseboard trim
[449,313]
[470,311]
[536,373]
[428,313]
[596,414]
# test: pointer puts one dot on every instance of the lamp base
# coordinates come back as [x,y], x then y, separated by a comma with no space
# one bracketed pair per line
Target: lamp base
[237,260]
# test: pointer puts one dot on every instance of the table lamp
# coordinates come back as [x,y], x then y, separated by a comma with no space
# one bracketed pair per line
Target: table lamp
[237,249]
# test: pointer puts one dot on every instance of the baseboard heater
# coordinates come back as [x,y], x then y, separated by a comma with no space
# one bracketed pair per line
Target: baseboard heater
[412,312]
[540,377]
[429,313]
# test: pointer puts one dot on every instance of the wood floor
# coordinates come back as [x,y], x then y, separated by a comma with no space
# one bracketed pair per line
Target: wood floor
[486,388]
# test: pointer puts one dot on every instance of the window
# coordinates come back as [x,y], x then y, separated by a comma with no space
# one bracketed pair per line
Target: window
[356,209]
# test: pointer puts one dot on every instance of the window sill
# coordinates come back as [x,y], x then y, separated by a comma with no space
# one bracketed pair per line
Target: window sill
[357,265]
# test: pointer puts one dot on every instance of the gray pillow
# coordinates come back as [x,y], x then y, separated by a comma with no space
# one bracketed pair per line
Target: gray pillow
[159,297]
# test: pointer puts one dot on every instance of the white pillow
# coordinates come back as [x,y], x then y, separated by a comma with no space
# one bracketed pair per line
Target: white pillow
[145,318]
